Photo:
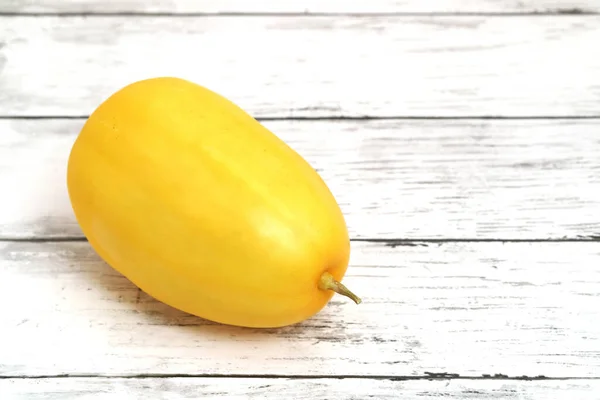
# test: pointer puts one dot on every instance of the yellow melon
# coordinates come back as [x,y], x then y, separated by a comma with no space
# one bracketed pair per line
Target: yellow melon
[203,208]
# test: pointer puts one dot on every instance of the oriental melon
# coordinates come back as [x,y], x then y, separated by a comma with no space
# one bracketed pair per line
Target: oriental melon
[204,209]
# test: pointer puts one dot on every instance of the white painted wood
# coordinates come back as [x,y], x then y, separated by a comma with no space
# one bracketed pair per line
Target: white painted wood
[311,66]
[239,388]
[259,6]
[393,179]
[470,309]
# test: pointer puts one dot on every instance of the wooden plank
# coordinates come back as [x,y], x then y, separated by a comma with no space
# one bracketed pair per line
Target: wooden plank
[393,179]
[303,66]
[299,6]
[460,308]
[262,388]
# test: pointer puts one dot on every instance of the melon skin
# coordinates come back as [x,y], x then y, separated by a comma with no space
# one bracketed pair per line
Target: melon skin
[205,209]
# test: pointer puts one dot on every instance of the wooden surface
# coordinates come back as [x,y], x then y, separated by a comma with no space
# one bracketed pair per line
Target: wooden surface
[304,66]
[393,179]
[520,309]
[461,139]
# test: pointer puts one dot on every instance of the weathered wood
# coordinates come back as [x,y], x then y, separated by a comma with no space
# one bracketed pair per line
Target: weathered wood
[299,6]
[393,179]
[262,388]
[304,66]
[462,308]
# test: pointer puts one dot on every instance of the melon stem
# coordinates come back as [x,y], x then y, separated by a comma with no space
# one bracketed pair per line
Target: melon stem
[327,282]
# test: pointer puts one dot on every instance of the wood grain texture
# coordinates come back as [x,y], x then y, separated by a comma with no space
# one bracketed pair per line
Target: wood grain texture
[458,308]
[298,6]
[305,66]
[393,179]
[239,388]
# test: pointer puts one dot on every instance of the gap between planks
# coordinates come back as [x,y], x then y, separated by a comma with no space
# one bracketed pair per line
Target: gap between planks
[349,118]
[385,242]
[127,14]
[433,376]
